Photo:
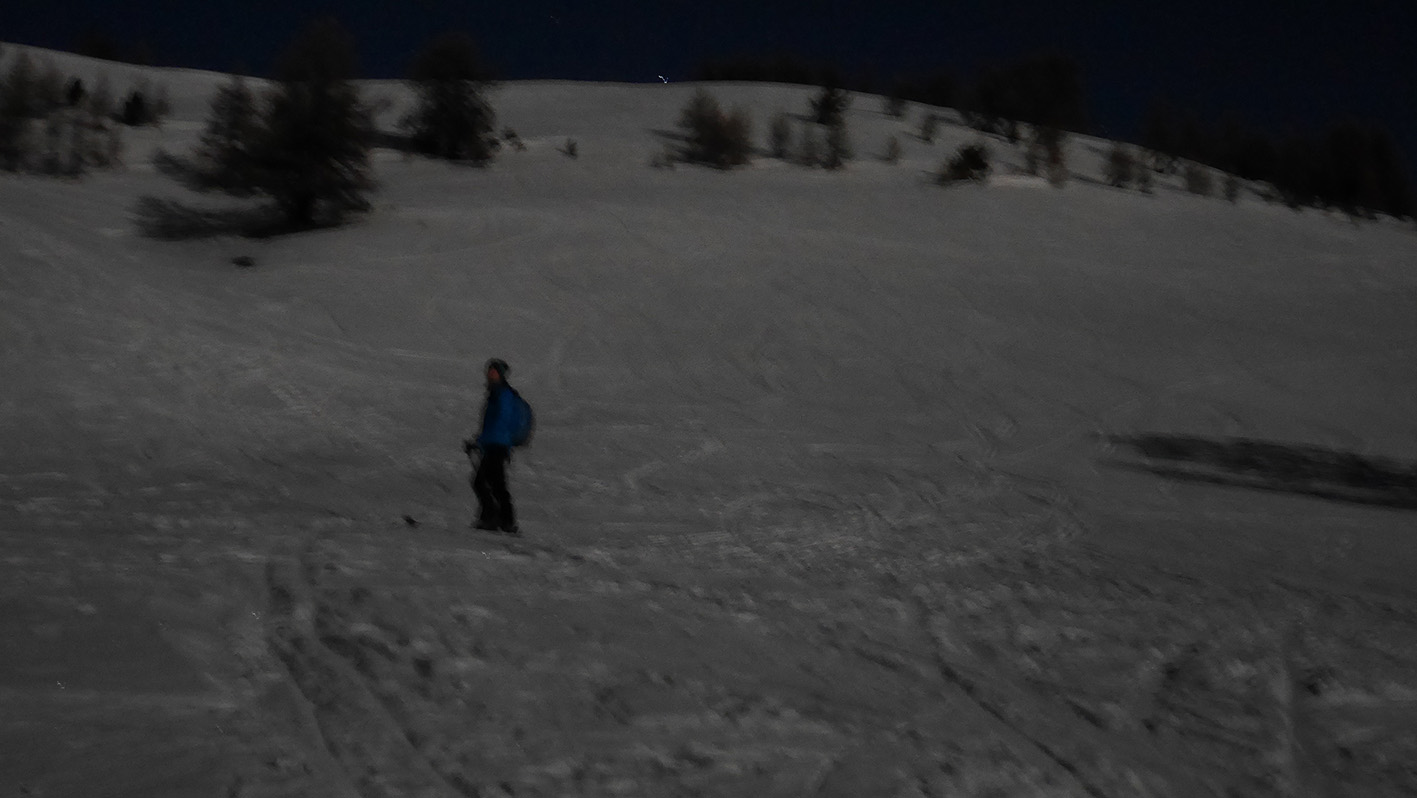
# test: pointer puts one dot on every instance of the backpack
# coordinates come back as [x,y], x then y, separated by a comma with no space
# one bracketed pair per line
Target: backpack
[523,420]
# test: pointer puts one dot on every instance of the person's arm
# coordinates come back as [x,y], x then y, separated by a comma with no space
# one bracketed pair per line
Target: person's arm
[491,419]
[477,441]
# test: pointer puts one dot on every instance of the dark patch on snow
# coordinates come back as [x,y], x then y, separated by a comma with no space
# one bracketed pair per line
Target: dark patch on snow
[1267,465]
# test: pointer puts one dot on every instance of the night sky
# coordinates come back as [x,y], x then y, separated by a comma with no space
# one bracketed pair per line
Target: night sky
[1275,64]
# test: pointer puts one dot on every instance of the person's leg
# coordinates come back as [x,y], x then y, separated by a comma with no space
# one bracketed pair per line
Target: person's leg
[506,518]
[488,511]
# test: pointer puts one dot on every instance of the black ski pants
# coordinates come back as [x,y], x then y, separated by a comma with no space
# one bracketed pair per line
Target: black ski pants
[490,484]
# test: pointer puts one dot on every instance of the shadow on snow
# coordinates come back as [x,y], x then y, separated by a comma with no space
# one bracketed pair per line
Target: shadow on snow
[1264,465]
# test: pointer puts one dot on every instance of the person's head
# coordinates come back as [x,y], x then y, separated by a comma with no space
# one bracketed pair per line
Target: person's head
[497,371]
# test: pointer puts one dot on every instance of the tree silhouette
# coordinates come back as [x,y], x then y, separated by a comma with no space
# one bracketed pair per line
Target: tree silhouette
[970,162]
[452,118]
[713,137]
[305,148]
[312,151]
[829,106]
[223,160]
[18,103]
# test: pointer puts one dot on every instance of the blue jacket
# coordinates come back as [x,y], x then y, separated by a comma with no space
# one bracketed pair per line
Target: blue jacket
[498,418]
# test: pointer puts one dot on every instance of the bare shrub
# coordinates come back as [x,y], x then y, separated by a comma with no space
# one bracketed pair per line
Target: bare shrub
[970,162]
[712,137]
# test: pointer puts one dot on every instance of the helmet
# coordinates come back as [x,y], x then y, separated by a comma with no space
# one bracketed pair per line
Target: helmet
[500,366]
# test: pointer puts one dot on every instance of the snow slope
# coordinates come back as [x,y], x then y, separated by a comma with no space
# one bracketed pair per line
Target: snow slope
[840,484]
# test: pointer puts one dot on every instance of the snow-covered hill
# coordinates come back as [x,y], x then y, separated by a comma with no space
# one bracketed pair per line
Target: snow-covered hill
[843,483]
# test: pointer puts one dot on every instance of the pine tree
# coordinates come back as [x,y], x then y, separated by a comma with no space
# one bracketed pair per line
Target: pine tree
[452,118]
[312,151]
[135,111]
[699,121]
[829,106]
[223,159]
[306,147]
[74,92]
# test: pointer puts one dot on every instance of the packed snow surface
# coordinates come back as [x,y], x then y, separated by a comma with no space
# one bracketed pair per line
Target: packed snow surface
[843,484]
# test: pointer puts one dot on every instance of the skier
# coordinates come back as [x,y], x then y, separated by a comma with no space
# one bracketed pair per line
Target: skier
[502,428]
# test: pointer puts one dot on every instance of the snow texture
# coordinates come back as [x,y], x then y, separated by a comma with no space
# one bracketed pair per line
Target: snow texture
[844,484]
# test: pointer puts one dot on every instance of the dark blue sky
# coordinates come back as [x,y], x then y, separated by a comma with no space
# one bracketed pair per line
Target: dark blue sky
[1272,63]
